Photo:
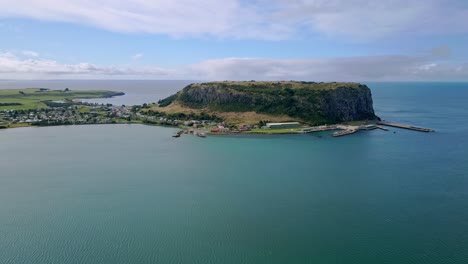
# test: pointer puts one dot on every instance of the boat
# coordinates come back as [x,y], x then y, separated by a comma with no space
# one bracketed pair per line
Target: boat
[176,135]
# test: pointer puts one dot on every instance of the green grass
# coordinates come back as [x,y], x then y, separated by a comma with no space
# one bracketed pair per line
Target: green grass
[32,98]
[84,110]
[275,85]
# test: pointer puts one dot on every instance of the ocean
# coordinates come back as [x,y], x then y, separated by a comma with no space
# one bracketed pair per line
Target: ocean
[133,194]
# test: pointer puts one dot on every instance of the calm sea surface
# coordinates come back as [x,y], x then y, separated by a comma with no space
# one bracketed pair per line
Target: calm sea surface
[133,194]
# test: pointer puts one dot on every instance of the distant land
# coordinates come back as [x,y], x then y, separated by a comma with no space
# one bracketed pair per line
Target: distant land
[37,98]
[249,102]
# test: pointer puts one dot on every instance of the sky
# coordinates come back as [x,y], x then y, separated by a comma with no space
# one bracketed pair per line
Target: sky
[310,40]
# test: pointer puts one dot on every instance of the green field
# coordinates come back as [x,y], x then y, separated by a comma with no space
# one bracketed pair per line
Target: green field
[32,98]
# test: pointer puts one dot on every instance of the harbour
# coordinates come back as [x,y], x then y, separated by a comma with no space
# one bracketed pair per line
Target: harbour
[339,129]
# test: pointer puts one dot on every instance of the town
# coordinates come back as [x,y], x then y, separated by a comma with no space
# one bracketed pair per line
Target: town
[82,113]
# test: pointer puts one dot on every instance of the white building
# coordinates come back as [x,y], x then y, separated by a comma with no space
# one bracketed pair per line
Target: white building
[283,125]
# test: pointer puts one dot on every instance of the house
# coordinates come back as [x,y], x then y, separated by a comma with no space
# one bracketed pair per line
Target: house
[244,128]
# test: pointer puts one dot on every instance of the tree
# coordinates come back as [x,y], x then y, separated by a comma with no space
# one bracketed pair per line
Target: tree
[262,123]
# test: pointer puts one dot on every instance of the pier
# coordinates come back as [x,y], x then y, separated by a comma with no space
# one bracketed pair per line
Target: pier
[382,128]
[318,129]
[420,129]
[344,133]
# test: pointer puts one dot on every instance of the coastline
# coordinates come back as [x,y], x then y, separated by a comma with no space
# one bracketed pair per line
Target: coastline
[68,108]
[337,130]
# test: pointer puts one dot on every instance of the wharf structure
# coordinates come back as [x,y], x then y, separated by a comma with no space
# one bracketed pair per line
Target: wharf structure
[283,125]
[383,123]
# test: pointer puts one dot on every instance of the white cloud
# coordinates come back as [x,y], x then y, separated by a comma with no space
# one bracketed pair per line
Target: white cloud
[330,69]
[30,53]
[137,56]
[370,68]
[13,66]
[174,18]
[256,19]
[7,54]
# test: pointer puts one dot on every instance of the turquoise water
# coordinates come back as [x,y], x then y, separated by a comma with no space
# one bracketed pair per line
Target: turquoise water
[133,194]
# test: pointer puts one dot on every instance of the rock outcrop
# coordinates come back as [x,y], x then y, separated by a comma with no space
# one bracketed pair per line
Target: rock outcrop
[311,102]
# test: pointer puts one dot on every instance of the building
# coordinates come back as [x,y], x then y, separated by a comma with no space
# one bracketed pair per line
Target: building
[283,125]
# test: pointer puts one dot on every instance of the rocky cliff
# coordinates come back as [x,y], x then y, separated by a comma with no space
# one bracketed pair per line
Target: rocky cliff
[310,102]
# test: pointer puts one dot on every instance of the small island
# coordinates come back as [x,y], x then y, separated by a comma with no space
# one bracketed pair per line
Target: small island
[286,107]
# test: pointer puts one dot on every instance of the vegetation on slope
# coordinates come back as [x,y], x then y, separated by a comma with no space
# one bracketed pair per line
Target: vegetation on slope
[311,102]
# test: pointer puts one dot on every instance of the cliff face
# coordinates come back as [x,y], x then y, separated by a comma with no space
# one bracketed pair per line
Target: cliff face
[348,104]
[316,103]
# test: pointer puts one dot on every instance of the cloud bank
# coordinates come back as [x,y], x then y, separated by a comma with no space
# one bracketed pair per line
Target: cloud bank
[13,66]
[255,19]
[370,68]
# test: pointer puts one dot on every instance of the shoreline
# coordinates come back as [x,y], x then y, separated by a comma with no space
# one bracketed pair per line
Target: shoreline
[339,129]
[69,108]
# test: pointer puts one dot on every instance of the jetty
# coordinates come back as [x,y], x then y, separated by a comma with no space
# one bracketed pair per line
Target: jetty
[420,129]
[318,129]
[344,133]
[382,128]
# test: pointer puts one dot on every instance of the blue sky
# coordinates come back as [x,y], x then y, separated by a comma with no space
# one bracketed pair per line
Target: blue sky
[355,40]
